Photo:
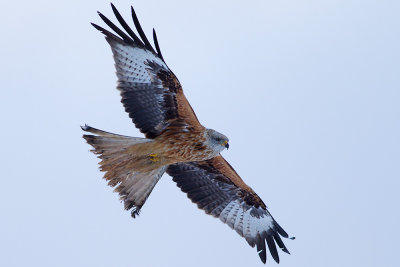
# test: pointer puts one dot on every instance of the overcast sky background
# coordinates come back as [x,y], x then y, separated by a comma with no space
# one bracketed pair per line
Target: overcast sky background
[307,91]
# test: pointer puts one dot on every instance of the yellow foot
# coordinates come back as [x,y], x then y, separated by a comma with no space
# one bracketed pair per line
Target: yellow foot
[154,157]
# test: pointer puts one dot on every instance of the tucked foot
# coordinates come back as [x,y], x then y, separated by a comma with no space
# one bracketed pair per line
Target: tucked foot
[154,157]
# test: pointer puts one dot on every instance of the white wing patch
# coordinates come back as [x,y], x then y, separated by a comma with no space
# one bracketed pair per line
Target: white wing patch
[245,224]
[130,62]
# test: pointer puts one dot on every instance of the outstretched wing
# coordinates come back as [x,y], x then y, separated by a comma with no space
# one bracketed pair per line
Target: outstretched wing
[151,93]
[218,190]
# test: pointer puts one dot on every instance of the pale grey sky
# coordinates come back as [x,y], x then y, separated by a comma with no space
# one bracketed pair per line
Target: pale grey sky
[308,93]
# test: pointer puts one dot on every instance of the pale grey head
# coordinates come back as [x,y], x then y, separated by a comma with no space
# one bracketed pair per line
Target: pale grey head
[216,141]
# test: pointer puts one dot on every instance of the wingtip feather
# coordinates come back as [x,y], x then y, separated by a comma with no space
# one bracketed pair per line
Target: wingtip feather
[261,249]
[272,247]
[97,27]
[140,31]
[156,44]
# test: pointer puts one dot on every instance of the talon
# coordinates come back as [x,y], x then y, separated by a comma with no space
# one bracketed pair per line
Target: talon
[154,157]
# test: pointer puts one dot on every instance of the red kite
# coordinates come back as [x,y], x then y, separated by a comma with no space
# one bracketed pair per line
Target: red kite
[175,143]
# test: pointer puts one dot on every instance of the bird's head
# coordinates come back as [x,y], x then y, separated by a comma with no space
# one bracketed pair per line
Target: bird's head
[217,140]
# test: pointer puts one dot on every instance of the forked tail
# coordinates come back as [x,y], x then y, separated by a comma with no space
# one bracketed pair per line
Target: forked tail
[128,165]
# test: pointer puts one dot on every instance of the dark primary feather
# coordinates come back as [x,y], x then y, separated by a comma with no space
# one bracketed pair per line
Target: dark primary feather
[125,37]
[140,31]
[132,39]
[106,33]
[156,44]
[272,247]
[280,243]
[262,252]
[126,27]
[213,192]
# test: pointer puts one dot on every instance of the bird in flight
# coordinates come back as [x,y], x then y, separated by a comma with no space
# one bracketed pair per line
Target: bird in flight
[175,142]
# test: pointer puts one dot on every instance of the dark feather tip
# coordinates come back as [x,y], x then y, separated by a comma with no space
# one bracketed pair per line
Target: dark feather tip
[156,44]
[140,31]
[126,26]
[97,27]
[263,256]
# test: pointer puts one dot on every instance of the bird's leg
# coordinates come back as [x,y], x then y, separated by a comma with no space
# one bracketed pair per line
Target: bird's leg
[154,157]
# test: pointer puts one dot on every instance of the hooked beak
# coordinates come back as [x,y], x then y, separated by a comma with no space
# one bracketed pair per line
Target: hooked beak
[226,144]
